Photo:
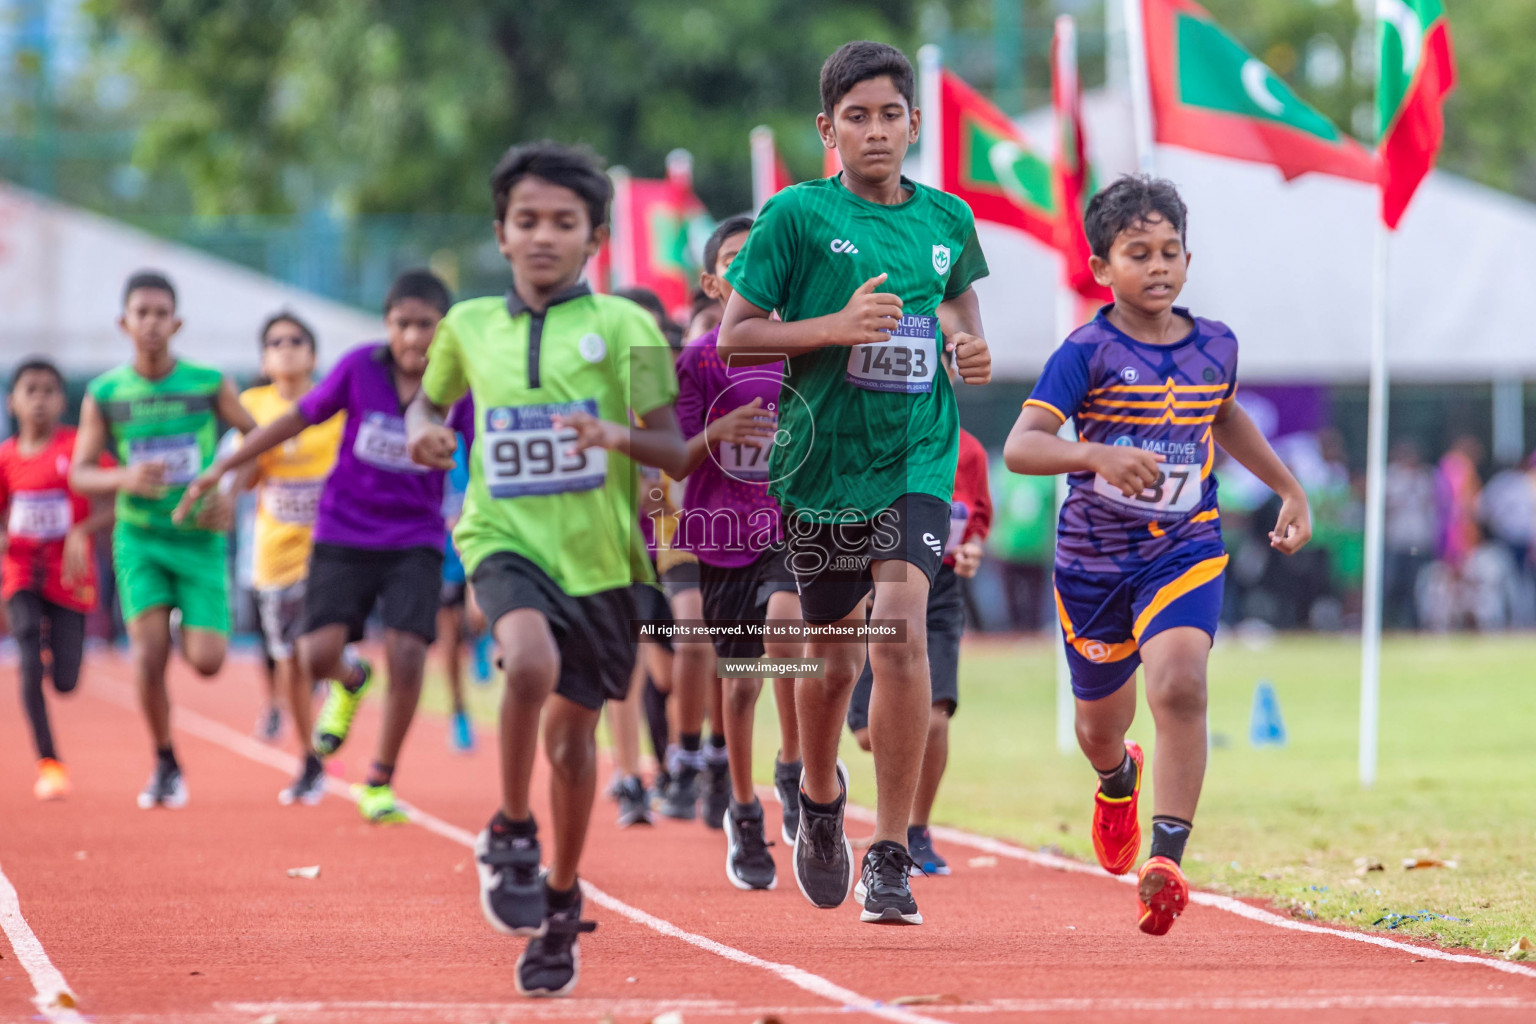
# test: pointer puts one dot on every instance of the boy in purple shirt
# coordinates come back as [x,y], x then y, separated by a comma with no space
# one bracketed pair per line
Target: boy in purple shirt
[730,522]
[379,533]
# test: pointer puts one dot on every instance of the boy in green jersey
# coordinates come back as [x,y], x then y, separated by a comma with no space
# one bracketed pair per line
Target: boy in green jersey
[864,461]
[161,417]
[549,533]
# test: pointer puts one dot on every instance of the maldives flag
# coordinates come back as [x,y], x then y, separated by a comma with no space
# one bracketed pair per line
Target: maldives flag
[1416,71]
[650,239]
[769,175]
[1069,165]
[986,161]
[1210,94]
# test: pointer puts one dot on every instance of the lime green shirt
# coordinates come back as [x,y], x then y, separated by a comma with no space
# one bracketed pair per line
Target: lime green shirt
[861,426]
[173,420]
[574,516]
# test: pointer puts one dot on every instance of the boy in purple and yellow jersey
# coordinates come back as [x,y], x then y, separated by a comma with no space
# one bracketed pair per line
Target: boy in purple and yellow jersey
[1139,557]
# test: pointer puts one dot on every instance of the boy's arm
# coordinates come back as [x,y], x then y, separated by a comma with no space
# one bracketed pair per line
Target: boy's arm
[659,443]
[749,337]
[745,424]
[1033,449]
[260,439]
[1240,438]
[231,411]
[960,319]
[77,542]
[429,439]
[87,474]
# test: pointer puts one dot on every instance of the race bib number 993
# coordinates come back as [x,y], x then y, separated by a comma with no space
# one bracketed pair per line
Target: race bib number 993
[523,454]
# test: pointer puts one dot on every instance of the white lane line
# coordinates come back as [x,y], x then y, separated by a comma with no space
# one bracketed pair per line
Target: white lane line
[238,742]
[54,1000]
[1232,906]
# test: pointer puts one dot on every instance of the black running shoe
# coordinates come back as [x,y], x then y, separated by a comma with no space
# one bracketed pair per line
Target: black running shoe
[786,782]
[681,799]
[552,961]
[717,787]
[165,788]
[885,885]
[511,891]
[269,724]
[634,803]
[823,856]
[748,864]
[925,859]
[308,788]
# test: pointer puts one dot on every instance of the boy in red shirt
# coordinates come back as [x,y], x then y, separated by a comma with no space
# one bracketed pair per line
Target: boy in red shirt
[48,576]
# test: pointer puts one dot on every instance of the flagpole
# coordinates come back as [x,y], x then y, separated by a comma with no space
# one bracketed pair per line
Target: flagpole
[930,66]
[621,267]
[1066,704]
[1375,518]
[1141,88]
[762,166]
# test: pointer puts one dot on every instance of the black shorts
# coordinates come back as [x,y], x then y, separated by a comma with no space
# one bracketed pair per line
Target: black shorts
[593,634]
[831,561]
[346,582]
[741,593]
[651,606]
[683,576]
[452,594]
[946,621]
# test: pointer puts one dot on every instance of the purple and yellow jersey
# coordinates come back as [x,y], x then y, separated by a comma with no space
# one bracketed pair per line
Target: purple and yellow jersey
[1163,398]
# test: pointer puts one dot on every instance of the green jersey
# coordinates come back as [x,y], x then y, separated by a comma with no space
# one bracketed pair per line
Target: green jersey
[860,426]
[173,421]
[572,515]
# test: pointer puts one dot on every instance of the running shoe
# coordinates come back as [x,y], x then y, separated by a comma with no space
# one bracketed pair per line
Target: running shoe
[748,864]
[552,962]
[269,724]
[52,780]
[681,801]
[1161,895]
[1116,832]
[482,658]
[461,734]
[885,885]
[378,804]
[165,788]
[717,787]
[335,719]
[925,859]
[511,891]
[786,782]
[823,855]
[308,788]
[634,803]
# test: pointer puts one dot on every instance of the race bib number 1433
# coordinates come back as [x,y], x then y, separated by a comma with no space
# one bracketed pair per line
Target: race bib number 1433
[905,363]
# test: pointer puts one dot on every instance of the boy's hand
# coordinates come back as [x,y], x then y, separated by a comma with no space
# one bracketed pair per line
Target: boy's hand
[870,316]
[1293,527]
[217,512]
[973,359]
[1132,470]
[745,424]
[144,479]
[968,559]
[77,556]
[434,446]
[591,432]
[208,480]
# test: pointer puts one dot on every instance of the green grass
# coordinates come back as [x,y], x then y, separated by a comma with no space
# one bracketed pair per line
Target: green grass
[1289,824]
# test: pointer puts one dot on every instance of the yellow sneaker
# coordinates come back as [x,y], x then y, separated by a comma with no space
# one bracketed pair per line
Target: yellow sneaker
[52,780]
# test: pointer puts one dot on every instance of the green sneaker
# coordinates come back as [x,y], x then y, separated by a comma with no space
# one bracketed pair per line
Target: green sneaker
[335,719]
[378,804]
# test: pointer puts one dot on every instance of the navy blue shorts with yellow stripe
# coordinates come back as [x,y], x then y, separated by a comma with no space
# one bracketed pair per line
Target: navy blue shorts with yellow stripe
[1106,617]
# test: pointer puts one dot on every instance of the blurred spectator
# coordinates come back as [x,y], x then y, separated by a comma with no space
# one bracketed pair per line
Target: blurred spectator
[1411,532]
[1457,485]
[648,299]
[1023,543]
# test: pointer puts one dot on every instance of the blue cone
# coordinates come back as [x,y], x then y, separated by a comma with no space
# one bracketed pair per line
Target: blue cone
[1266,728]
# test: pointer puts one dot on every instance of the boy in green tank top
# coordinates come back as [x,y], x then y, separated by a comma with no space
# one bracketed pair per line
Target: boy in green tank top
[159,416]
[550,531]
[870,274]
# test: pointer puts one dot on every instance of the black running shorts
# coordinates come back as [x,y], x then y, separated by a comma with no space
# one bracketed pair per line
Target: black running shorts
[345,583]
[741,594]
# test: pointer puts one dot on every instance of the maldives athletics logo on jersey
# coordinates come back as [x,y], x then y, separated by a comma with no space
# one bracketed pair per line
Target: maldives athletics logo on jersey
[1210,94]
[987,162]
[1417,70]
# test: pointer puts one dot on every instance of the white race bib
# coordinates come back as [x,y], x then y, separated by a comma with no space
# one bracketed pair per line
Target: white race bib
[40,515]
[522,453]
[1176,492]
[292,500]
[180,454]
[905,363]
[381,442]
[959,517]
[744,461]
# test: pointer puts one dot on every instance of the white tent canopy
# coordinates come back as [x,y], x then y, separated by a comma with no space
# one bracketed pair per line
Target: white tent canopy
[1288,266]
[61,275]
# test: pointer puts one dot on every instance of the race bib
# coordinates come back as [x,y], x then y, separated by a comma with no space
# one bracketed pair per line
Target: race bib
[744,461]
[292,501]
[905,363]
[180,454]
[40,515]
[1176,491]
[381,442]
[522,453]
[959,517]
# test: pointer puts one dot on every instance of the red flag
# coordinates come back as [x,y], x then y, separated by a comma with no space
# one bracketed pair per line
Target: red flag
[985,160]
[769,175]
[1210,94]
[650,234]
[1069,165]
[1416,72]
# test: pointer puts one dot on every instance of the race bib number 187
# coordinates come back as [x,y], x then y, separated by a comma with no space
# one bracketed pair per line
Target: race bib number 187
[522,453]
[1176,491]
[905,363]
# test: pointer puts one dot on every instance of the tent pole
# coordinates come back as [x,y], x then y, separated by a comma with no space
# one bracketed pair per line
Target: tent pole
[1375,518]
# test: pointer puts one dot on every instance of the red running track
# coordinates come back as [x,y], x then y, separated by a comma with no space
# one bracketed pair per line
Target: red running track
[190,916]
